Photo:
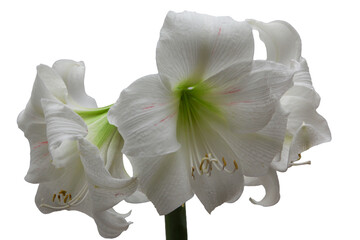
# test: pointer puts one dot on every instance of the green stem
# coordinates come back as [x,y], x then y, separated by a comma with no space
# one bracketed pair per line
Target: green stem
[175,224]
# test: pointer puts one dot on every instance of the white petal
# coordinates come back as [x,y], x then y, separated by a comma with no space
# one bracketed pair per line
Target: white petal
[53,83]
[110,223]
[216,174]
[249,97]
[282,42]
[73,182]
[198,46]
[41,169]
[255,151]
[73,75]
[113,158]
[48,84]
[218,188]
[164,180]
[304,93]
[146,115]
[303,111]
[307,136]
[64,127]
[137,197]
[105,191]
[281,161]
[272,189]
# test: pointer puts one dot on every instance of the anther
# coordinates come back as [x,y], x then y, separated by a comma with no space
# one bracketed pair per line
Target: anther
[63,192]
[201,164]
[67,199]
[224,163]
[192,172]
[236,165]
[299,155]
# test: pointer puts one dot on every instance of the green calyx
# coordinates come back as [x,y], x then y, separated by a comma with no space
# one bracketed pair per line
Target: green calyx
[99,128]
[197,103]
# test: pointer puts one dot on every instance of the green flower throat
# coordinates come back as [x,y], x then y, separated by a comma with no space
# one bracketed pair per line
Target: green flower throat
[99,128]
[197,104]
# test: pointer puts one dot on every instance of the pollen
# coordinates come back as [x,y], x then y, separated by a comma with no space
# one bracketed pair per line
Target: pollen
[192,172]
[236,165]
[63,192]
[66,200]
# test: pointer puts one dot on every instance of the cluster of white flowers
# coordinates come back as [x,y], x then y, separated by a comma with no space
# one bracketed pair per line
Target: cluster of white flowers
[212,121]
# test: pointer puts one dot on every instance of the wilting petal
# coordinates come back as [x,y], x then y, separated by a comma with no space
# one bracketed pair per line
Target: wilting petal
[271,185]
[105,191]
[64,127]
[282,42]
[198,46]
[73,74]
[146,115]
[164,180]
[41,169]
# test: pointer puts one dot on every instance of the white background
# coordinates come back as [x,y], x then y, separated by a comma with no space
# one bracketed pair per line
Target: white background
[117,41]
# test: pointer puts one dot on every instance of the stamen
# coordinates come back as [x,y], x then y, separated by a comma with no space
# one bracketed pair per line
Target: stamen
[224,163]
[299,164]
[299,157]
[236,166]
[68,201]
[63,192]
[66,198]
[201,164]
[207,163]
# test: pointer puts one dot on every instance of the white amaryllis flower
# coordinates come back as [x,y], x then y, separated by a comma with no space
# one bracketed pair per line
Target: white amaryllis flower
[75,153]
[305,127]
[208,118]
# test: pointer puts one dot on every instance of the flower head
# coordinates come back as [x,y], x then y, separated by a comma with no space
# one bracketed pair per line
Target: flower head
[210,117]
[305,127]
[75,152]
